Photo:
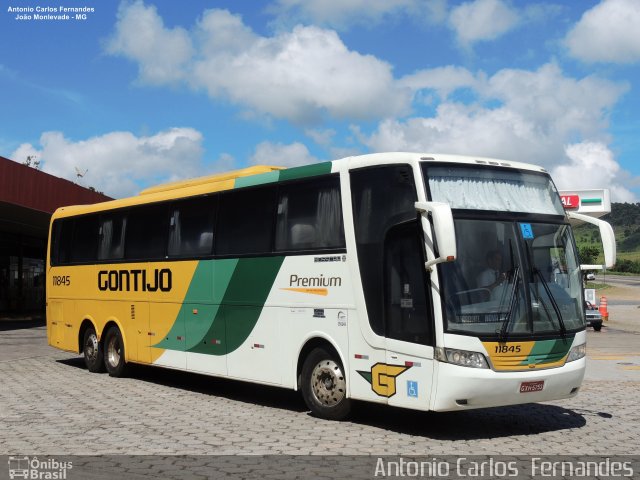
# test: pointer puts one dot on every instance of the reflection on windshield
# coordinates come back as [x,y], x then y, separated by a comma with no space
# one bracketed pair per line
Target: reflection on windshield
[512,278]
[556,282]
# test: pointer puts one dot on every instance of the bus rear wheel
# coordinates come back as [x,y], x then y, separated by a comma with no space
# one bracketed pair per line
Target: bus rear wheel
[92,351]
[114,353]
[324,385]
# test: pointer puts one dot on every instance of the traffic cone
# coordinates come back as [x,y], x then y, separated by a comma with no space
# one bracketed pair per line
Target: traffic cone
[603,309]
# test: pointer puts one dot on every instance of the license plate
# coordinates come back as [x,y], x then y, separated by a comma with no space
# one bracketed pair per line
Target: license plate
[528,387]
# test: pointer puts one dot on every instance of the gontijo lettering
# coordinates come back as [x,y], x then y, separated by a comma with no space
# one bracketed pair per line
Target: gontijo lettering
[134,280]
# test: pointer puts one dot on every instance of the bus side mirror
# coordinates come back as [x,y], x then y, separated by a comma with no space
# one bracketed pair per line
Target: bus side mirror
[606,234]
[443,229]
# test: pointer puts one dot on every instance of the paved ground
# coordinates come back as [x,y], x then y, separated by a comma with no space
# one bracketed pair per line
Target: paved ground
[623,296]
[51,405]
[613,279]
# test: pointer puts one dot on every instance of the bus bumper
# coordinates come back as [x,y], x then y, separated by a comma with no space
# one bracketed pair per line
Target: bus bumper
[462,388]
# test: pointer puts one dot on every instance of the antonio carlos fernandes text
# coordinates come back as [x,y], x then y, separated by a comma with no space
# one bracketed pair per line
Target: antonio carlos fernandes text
[538,468]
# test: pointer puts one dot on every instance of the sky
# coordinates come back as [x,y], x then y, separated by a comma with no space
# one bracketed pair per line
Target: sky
[136,93]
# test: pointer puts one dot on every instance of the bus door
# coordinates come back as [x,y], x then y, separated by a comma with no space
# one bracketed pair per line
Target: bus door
[391,262]
[408,319]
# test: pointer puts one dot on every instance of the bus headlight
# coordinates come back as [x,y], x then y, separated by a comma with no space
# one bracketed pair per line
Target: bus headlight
[463,358]
[577,353]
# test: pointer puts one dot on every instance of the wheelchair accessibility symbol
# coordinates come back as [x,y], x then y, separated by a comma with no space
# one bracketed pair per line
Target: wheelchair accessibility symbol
[412,389]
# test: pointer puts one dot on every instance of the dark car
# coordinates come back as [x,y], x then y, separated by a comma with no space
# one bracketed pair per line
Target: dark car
[593,316]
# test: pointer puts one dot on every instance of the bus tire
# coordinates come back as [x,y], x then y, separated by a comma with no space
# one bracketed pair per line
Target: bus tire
[92,351]
[324,385]
[114,353]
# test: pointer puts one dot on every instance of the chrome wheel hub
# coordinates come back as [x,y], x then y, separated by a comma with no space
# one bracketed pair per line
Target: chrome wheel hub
[328,383]
[91,347]
[114,350]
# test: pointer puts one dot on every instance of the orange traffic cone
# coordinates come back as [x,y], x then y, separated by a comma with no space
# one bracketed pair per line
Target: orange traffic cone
[603,309]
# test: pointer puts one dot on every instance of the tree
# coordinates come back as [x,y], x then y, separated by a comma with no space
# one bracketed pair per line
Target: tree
[32,162]
[588,255]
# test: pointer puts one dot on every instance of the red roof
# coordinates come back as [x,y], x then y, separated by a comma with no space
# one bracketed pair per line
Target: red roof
[31,188]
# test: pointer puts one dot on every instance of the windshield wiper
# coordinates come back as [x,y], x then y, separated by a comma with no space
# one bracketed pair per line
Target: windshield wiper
[563,329]
[536,271]
[505,324]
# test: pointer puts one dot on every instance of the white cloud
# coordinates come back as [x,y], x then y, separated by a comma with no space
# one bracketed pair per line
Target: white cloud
[301,75]
[462,129]
[473,21]
[558,106]
[482,20]
[279,154]
[341,14]
[117,163]
[532,127]
[592,165]
[507,123]
[323,137]
[307,74]
[23,151]
[609,32]
[444,80]
[140,35]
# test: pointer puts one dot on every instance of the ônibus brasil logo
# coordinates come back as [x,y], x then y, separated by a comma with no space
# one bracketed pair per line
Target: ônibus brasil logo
[33,468]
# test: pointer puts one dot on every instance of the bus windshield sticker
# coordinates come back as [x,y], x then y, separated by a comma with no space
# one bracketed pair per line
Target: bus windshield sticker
[527,231]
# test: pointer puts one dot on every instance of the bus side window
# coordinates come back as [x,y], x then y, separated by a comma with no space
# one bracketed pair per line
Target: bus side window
[112,232]
[84,246]
[245,221]
[61,241]
[191,228]
[310,215]
[146,233]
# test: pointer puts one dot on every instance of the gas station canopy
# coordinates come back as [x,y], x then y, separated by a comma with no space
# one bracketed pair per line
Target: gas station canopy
[594,203]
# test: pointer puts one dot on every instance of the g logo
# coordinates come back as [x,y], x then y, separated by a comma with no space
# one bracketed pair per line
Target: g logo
[382,378]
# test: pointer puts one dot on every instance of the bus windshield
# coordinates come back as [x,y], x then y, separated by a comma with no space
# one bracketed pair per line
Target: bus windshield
[512,278]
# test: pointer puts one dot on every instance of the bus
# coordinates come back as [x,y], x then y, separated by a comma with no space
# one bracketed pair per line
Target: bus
[429,282]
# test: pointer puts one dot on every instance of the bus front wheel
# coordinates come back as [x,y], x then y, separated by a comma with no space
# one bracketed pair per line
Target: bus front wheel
[324,385]
[92,351]
[114,352]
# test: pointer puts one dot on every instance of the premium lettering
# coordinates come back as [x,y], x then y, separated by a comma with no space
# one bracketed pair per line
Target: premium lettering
[321,281]
[135,280]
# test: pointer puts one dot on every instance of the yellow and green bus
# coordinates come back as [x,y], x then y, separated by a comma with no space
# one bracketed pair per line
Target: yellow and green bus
[421,281]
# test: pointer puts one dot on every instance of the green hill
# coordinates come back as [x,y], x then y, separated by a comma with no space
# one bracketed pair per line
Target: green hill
[625,220]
